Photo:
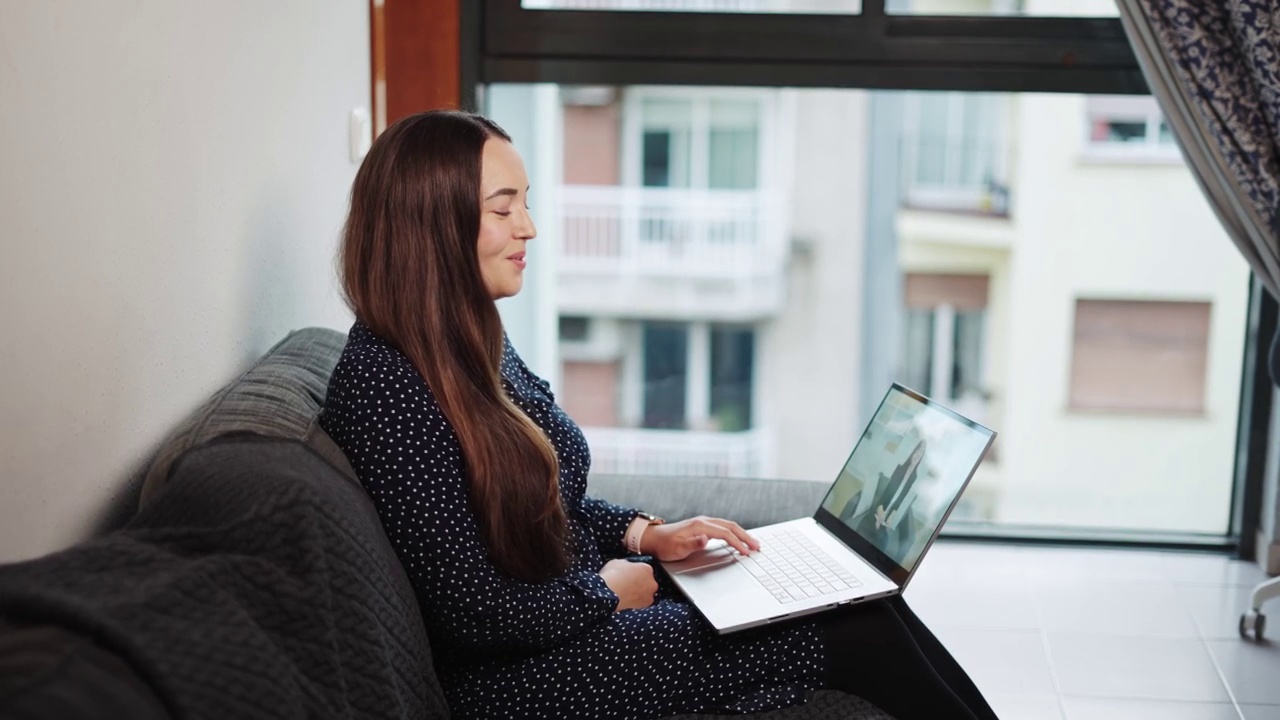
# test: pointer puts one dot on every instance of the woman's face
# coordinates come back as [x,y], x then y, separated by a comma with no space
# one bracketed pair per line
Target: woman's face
[505,225]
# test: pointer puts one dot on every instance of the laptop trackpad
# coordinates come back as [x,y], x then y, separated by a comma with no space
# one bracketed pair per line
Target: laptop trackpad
[703,560]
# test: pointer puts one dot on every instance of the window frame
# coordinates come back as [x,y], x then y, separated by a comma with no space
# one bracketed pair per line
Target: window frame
[499,41]
[1150,151]
[504,42]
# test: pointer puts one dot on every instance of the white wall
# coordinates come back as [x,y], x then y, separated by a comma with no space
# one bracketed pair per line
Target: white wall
[1112,231]
[809,356]
[175,177]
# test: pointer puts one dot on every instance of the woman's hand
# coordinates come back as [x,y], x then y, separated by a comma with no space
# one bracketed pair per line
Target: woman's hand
[676,541]
[632,582]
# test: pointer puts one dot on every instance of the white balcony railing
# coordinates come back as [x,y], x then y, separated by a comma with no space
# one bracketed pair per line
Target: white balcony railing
[679,453]
[669,232]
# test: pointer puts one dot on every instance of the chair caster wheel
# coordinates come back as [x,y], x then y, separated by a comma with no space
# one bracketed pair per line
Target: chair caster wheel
[1252,625]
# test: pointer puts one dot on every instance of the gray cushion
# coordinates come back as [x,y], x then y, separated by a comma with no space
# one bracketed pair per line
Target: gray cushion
[279,396]
[748,502]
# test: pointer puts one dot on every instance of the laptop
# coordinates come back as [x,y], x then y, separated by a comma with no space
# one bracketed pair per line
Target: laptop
[904,477]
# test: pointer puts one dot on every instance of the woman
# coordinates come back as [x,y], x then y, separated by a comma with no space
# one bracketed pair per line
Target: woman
[480,481]
[883,521]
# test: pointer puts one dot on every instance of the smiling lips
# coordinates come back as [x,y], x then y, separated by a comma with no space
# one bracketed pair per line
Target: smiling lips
[518,259]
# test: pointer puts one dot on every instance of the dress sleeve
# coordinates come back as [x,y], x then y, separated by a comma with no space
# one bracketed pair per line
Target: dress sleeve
[409,460]
[609,523]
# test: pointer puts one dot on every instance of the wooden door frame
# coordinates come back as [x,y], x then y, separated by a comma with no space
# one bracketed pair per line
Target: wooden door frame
[416,57]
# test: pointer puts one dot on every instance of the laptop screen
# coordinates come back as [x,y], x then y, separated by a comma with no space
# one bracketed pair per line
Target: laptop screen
[904,476]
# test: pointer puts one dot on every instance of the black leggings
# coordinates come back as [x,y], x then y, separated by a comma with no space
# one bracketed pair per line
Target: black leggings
[881,652]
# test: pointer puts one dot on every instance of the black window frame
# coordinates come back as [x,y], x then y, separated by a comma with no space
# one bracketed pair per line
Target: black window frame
[502,42]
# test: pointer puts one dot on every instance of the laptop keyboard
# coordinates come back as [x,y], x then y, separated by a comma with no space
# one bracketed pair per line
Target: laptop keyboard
[792,567]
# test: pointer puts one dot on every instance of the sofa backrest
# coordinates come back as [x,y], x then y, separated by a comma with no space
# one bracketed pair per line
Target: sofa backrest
[256,448]
[279,396]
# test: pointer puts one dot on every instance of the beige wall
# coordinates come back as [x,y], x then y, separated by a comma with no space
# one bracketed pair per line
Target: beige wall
[1125,231]
[589,393]
[174,180]
[591,149]
[1087,227]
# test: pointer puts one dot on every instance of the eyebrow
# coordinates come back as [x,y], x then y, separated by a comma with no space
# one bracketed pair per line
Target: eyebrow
[503,191]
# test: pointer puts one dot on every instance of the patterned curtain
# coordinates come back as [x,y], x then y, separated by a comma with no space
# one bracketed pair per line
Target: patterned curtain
[1214,67]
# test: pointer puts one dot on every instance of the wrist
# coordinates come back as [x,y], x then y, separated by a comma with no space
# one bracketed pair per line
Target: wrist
[634,540]
[648,539]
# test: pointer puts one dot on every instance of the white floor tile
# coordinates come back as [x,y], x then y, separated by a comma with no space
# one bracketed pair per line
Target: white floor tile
[1111,607]
[1216,609]
[1123,630]
[1135,667]
[1083,708]
[1099,564]
[1026,707]
[1204,569]
[1251,670]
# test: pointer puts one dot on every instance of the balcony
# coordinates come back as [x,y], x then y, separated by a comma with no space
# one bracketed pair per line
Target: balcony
[671,253]
[918,228]
[679,453]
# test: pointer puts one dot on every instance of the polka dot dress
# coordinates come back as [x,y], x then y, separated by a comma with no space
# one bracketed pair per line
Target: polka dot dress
[506,648]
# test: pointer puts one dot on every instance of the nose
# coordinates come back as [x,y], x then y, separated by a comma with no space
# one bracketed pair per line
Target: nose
[525,229]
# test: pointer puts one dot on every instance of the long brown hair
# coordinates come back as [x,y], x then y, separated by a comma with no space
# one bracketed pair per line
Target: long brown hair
[410,271]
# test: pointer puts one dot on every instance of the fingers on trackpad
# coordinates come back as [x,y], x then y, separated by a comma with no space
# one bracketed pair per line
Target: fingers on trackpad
[703,559]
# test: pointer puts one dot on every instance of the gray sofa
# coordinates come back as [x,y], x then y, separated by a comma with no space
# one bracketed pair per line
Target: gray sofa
[249,509]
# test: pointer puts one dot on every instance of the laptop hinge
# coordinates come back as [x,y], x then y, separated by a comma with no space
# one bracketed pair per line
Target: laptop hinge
[864,560]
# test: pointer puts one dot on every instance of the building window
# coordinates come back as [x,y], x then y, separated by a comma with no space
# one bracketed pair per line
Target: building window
[1140,356]
[1129,127]
[701,141]
[665,142]
[732,375]
[944,343]
[733,145]
[954,152]
[574,328]
[917,351]
[666,373]
[697,376]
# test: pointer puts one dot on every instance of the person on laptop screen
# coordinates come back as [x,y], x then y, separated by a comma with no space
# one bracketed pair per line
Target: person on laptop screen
[539,600]
[886,520]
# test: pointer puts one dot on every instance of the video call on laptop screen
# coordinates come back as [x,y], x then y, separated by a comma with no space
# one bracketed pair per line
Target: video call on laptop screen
[911,462]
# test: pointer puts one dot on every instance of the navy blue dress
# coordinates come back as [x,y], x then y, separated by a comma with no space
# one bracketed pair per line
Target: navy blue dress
[506,648]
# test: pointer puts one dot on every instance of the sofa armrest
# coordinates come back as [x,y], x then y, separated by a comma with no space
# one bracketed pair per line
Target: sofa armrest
[749,502]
